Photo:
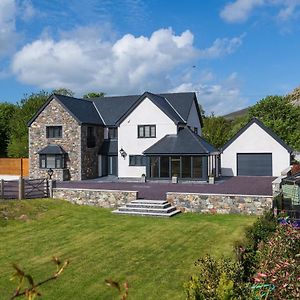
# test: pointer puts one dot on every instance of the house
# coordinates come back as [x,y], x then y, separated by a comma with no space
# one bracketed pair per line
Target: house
[156,135]
[255,151]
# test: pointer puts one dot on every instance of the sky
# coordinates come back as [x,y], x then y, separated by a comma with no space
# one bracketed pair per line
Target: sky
[231,53]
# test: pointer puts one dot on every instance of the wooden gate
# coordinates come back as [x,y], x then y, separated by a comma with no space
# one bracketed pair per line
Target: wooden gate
[24,189]
[36,188]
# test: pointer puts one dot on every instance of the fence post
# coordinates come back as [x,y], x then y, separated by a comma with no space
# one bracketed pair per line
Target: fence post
[52,184]
[2,188]
[21,188]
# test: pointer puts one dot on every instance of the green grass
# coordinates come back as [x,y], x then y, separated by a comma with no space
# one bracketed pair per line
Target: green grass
[154,255]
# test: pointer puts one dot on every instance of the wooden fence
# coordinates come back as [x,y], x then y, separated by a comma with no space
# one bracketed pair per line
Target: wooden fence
[14,166]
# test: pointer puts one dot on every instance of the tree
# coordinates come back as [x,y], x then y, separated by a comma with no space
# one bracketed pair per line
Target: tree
[7,111]
[216,130]
[279,114]
[64,92]
[25,110]
[93,95]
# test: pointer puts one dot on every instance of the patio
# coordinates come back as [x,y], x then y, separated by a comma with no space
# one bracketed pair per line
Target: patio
[242,185]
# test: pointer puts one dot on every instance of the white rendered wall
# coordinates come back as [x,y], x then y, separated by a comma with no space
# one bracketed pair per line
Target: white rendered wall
[146,113]
[254,140]
[193,119]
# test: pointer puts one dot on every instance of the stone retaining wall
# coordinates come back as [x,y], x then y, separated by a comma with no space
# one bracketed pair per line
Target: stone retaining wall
[222,204]
[101,198]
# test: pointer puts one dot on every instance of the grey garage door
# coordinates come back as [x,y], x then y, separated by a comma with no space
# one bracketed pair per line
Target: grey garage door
[254,164]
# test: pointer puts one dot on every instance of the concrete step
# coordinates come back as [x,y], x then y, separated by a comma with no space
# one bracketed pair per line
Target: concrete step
[148,209]
[148,205]
[143,207]
[173,213]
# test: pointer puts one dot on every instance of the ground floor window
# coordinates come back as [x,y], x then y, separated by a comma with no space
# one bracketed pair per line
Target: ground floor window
[179,166]
[53,161]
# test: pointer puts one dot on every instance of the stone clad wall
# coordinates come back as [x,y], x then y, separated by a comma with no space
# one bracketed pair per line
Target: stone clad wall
[223,204]
[100,198]
[55,114]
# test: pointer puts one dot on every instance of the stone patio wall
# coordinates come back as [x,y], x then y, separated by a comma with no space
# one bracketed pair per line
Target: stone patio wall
[100,198]
[221,204]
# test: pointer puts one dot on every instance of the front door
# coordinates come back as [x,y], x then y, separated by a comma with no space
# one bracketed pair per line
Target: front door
[112,165]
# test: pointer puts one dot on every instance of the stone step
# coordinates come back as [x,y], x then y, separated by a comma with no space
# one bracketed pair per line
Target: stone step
[137,213]
[144,201]
[148,209]
[148,205]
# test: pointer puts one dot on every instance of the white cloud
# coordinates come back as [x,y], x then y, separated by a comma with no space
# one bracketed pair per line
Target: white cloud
[241,10]
[8,35]
[218,97]
[84,62]
[222,47]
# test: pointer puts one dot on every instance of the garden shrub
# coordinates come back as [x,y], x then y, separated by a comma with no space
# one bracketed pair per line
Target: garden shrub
[217,279]
[279,263]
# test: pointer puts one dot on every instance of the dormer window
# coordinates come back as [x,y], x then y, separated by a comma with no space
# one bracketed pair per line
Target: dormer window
[54,132]
[196,130]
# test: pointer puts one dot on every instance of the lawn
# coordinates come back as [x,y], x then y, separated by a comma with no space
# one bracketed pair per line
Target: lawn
[154,255]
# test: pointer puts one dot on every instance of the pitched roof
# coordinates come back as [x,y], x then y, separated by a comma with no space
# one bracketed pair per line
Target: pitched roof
[82,110]
[113,108]
[110,111]
[184,142]
[262,126]
[52,149]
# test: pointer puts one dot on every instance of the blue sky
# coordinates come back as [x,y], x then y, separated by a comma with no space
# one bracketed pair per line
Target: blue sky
[232,53]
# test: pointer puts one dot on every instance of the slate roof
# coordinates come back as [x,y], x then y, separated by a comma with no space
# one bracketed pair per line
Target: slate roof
[52,149]
[110,111]
[184,142]
[265,128]
[81,109]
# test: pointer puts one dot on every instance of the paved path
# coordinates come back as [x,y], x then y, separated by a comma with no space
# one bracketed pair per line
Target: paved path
[242,185]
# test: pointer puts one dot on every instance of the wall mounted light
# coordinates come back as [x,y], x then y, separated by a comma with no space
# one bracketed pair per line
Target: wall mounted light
[123,153]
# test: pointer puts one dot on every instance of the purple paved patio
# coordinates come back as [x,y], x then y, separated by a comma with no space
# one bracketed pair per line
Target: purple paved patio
[235,185]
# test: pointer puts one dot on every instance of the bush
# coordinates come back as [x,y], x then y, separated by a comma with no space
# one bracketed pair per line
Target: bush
[259,232]
[217,279]
[279,263]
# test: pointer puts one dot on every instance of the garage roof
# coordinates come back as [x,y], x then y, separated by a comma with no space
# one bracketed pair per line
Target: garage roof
[265,128]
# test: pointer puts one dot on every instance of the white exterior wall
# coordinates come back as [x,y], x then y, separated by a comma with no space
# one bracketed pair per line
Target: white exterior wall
[193,119]
[254,140]
[146,113]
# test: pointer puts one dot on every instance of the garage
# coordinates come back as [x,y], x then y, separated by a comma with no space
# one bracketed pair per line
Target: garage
[255,150]
[254,164]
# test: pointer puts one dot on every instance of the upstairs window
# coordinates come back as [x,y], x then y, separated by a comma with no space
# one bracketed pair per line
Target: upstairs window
[196,130]
[137,160]
[91,138]
[146,131]
[113,133]
[54,132]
